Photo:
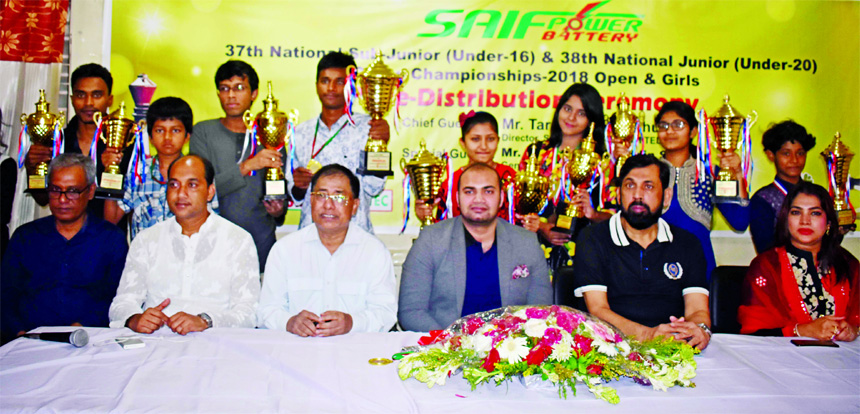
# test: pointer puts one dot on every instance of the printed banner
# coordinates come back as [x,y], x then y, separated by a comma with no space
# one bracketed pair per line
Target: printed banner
[782,59]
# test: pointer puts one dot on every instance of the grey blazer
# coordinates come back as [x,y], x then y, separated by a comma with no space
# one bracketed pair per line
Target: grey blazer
[433,282]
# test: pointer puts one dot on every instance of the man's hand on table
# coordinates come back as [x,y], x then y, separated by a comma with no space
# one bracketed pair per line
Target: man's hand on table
[150,320]
[303,324]
[334,323]
[183,323]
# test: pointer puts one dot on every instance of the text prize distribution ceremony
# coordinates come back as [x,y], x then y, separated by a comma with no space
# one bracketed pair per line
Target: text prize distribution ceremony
[402,206]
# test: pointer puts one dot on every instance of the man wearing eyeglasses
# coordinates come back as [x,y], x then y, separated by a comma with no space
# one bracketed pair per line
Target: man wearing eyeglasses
[333,277]
[62,269]
[223,142]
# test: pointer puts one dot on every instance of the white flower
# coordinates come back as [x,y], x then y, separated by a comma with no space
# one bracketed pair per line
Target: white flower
[604,347]
[513,349]
[624,347]
[535,328]
[521,314]
[481,344]
[561,351]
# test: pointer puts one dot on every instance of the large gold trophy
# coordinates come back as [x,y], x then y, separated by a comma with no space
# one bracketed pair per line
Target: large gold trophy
[272,133]
[531,188]
[838,157]
[40,127]
[727,124]
[426,173]
[117,132]
[379,87]
[580,170]
[623,123]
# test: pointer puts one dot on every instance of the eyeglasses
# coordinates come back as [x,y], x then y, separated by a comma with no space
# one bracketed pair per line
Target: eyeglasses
[224,89]
[676,125]
[71,194]
[337,198]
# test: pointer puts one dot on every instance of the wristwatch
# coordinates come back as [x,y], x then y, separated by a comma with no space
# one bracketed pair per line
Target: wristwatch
[206,319]
[706,329]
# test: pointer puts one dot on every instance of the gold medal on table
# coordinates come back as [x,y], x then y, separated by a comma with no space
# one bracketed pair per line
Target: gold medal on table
[379,361]
[314,166]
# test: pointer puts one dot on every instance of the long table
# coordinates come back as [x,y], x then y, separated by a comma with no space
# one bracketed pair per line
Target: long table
[255,371]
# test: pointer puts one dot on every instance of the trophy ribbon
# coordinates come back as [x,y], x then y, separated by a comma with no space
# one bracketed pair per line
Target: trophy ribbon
[97,116]
[407,198]
[449,205]
[510,195]
[351,93]
[23,146]
[704,163]
[746,154]
[139,154]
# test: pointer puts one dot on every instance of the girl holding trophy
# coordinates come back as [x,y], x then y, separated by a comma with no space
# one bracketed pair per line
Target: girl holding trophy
[691,207]
[578,113]
[480,140]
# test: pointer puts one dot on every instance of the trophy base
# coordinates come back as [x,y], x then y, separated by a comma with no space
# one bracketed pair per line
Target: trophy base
[844,218]
[36,191]
[275,190]
[376,164]
[565,224]
[728,189]
[37,182]
[109,193]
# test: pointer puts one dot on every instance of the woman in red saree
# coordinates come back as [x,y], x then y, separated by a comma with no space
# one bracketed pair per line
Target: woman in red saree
[808,284]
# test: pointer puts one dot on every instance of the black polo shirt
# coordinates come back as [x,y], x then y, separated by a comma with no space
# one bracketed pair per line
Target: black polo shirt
[647,285]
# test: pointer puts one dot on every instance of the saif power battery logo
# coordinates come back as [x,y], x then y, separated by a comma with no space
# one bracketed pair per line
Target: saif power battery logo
[591,23]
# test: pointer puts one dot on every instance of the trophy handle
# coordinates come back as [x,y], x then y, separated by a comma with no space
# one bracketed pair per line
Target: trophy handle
[23,119]
[97,118]
[61,119]
[247,118]
[404,77]
[752,118]
[403,165]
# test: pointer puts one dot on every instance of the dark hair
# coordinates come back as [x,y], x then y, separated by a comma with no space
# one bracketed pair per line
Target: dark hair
[831,253]
[334,60]
[337,169]
[238,68]
[208,169]
[642,161]
[93,70]
[480,166]
[476,119]
[593,105]
[169,107]
[785,131]
[683,110]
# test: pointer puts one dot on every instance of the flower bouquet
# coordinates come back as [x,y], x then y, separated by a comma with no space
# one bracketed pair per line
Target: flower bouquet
[560,344]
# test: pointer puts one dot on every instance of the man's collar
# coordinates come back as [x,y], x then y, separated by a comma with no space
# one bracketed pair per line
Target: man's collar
[352,236]
[470,240]
[619,236]
[204,228]
[343,119]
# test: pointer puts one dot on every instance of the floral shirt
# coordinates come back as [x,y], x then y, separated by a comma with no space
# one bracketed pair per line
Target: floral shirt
[818,300]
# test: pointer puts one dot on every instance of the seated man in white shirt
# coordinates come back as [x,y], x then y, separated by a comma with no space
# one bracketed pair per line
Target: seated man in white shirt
[333,277]
[191,272]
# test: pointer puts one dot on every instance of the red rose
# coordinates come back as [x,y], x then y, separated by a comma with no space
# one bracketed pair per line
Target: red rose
[490,362]
[594,369]
[538,354]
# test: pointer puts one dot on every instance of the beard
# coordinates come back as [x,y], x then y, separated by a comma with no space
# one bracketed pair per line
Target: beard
[643,220]
[478,219]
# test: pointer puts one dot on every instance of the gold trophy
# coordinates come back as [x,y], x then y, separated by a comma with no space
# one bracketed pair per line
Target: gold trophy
[727,124]
[426,172]
[379,87]
[530,187]
[838,157]
[40,127]
[117,132]
[580,170]
[623,126]
[272,128]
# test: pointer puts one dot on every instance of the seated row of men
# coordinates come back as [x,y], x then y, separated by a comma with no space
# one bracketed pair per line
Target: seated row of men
[198,270]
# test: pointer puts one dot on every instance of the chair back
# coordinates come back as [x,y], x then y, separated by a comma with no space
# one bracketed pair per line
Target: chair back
[725,298]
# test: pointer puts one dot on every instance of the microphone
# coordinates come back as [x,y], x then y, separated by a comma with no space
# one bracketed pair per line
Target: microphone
[77,337]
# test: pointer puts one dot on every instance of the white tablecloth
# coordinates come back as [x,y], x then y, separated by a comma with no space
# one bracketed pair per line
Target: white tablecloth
[244,370]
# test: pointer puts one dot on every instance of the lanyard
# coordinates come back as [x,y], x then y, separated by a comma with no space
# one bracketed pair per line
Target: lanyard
[152,172]
[780,187]
[314,144]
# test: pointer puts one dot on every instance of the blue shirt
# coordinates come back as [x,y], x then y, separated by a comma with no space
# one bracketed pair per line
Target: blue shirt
[483,291]
[764,206]
[50,281]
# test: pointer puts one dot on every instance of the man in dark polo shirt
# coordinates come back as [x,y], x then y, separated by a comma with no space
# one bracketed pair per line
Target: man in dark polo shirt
[640,273]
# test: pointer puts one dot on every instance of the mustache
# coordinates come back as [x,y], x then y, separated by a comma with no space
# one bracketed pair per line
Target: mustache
[639,203]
